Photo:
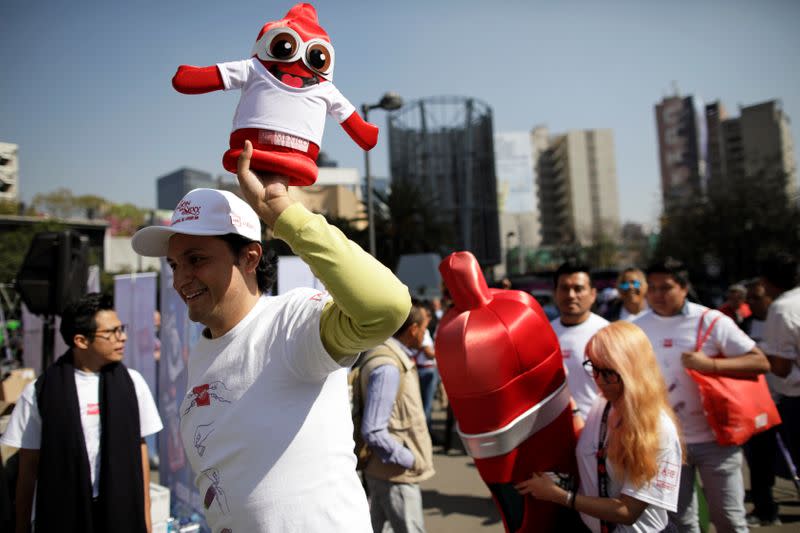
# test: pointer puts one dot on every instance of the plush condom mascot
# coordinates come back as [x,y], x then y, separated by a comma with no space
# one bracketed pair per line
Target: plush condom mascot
[286,93]
[501,366]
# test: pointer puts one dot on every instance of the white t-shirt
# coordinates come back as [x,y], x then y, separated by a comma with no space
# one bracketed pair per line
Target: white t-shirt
[782,338]
[572,340]
[660,493]
[673,335]
[25,426]
[419,356]
[266,424]
[624,314]
[266,103]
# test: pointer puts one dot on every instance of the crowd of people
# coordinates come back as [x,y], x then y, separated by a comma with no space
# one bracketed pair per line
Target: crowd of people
[268,379]
[648,339]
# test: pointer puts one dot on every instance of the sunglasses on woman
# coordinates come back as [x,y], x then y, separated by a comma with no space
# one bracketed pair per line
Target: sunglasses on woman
[609,376]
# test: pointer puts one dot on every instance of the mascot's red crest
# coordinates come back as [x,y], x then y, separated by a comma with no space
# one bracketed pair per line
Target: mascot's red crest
[501,366]
[296,49]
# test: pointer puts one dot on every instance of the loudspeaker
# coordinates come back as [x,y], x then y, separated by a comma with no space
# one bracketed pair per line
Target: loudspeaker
[54,271]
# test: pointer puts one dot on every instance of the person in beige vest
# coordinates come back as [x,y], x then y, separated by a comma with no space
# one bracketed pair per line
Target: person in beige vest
[394,428]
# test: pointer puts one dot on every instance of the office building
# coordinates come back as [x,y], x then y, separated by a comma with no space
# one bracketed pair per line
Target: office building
[171,187]
[9,172]
[577,187]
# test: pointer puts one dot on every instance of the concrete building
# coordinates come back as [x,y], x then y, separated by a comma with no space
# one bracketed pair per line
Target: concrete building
[516,196]
[9,172]
[767,144]
[699,151]
[171,187]
[683,142]
[577,187]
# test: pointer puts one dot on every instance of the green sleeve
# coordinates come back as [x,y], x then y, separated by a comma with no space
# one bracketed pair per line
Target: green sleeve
[369,302]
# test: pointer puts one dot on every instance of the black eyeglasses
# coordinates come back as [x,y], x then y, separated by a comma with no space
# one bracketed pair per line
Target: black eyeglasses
[117,332]
[609,376]
[627,285]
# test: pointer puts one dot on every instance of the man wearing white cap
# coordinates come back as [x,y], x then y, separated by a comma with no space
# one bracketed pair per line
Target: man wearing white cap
[266,422]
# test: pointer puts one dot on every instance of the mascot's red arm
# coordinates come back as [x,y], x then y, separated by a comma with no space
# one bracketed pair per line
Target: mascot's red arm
[363,133]
[197,80]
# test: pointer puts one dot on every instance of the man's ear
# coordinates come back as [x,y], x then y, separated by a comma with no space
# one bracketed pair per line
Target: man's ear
[81,341]
[250,256]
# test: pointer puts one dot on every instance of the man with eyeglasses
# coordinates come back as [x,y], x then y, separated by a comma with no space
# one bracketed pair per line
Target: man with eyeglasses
[632,304]
[575,295]
[672,328]
[80,428]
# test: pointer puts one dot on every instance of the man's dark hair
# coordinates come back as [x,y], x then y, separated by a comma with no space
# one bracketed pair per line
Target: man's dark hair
[671,267]
[266,271]
[416,315]
[781,271]
[571,266]
[79,316]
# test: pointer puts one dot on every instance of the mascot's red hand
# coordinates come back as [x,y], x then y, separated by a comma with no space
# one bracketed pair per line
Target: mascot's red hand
[197,80]
[363,133]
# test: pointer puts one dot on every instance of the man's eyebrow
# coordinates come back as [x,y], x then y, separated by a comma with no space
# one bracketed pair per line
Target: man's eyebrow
[188,251]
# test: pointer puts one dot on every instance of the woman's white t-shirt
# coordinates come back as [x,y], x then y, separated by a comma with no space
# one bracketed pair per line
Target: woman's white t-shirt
[660,493]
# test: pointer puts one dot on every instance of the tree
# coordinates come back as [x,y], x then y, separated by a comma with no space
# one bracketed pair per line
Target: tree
[741,220]
[408,222]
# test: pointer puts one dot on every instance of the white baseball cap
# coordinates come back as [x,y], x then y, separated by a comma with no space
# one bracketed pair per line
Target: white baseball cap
[200,212]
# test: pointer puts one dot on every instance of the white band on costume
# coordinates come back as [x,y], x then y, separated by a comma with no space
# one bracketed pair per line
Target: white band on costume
[503,440]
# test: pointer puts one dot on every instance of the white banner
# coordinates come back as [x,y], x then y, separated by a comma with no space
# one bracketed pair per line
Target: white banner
[135,303]
[294,273]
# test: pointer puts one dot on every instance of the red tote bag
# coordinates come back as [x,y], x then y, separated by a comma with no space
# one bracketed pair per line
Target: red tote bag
[735,408]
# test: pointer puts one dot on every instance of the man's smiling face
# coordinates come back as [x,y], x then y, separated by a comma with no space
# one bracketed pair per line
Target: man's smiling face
[206,277]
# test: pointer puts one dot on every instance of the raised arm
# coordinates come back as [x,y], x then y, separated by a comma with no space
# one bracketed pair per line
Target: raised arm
[197,80]
[363,133]
[369,302]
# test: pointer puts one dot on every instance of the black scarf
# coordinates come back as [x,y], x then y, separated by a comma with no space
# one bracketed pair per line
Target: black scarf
[64,486]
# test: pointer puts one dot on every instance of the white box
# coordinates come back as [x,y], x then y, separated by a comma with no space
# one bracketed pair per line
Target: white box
[160,527]
[159,503]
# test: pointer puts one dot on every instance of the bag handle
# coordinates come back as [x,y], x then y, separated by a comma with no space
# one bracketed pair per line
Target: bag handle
[701,337]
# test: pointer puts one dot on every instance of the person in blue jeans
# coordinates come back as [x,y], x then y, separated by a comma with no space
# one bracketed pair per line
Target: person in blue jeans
[425,359]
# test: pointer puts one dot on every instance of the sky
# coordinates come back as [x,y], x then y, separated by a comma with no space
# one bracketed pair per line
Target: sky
[85,85]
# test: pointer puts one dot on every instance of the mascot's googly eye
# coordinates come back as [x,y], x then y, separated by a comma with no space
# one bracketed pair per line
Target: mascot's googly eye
[319,56]
[283,46]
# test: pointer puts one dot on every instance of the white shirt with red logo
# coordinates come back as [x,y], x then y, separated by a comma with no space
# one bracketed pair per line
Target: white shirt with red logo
[268,104]
[25,427]
[673,335]
[266,424]
[660,493]
[572,340]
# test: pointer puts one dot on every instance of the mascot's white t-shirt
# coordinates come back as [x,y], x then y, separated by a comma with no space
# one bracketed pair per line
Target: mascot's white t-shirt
[660,493]
[25,427]
[572,340]
[266,425]
[268,104]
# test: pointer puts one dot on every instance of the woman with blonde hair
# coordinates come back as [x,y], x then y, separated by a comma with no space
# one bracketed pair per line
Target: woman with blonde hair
[629,453]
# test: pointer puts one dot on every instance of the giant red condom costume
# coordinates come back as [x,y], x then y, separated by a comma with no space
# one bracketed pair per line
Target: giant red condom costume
[502,369]
[286,92]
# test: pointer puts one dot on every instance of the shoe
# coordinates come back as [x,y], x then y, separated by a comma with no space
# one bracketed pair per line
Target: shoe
[755,521]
